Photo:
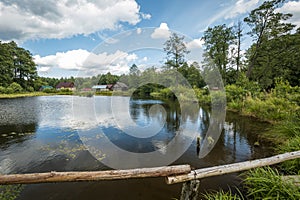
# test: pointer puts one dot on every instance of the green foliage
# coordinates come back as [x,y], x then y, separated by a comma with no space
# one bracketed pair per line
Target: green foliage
[15,87]
[17,65]
[270,32]
[176,51]
[293,144]
[10,192]
[108,78]
[65,91]
[266,183]
[217,42]
[104,93]
[221,195]
[50,90]
[235,93]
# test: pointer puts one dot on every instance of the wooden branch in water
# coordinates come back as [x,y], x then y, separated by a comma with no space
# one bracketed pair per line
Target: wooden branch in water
[230,168]
[93,175]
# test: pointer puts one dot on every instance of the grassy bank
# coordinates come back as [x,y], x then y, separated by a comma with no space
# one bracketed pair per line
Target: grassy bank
[281,108]
[19,95]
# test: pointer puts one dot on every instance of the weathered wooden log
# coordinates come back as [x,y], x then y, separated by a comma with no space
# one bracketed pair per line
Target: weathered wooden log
[190,190]
[230,168]
[293,179]
[93,175]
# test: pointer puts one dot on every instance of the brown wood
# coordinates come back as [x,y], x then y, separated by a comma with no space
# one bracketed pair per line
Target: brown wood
[230,168]
[190,190]
[292,179]
[93,175]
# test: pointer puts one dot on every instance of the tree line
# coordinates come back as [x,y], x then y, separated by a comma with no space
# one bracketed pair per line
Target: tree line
[273,54]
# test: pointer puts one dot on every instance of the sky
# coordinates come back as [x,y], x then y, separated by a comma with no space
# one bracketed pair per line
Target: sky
[90,37]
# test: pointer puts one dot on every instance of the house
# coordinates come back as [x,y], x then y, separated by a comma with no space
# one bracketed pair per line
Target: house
[110,87]
[86,89]
[99,88]
[45,87]
[119,86]
[66,85]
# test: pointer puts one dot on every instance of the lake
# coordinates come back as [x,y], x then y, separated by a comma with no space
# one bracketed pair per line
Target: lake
[66,133]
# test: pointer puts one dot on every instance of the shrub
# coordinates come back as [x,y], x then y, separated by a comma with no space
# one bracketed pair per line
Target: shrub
[235,93]
[15,87]
[2,90]
[50,90]
[30,89]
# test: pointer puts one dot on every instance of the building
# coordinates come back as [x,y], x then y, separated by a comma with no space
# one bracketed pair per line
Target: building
[45,87]
[66,85]
[119,86]
[99,88]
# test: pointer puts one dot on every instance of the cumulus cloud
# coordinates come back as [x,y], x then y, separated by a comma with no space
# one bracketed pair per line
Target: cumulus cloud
[86,62]
[32,19]
[162,32]
[292,7]
[195,44]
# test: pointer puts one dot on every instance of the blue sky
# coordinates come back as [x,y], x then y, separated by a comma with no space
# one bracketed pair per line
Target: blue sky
[88,37]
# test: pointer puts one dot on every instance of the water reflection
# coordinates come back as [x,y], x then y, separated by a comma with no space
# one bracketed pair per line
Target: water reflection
[19,119]
[61,133]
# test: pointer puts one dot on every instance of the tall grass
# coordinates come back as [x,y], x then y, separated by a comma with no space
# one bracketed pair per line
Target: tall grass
[10,192]
[222,195]
[266,183]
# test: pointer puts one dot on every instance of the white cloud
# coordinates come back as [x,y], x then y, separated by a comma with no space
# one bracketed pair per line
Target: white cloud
[132,57]
[86,62]
[138,31]
[146,16]
[195,44]
[241,7]
[162,32]
[292,7]
[32,19]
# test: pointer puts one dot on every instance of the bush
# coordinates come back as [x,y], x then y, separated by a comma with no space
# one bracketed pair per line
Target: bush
[50,90]
[235,93]
[2,90]
[266,183]
[15,88]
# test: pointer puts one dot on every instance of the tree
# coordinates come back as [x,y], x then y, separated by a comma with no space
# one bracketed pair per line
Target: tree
[217,41]
[16,65]
[6,65]
[239,35]
[192,74]
[108,78]
[278,57]
[266,24]
[176,51]
[134,74]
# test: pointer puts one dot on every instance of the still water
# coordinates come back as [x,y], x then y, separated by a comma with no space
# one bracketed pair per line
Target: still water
[65,133]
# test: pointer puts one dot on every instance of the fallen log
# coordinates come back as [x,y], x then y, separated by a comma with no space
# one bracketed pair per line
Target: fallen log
[230,168]
[293,179]
[50,177]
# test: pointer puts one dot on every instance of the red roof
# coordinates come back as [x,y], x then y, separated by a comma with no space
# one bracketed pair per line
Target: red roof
[65,85]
